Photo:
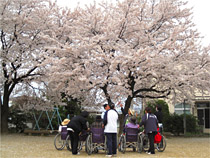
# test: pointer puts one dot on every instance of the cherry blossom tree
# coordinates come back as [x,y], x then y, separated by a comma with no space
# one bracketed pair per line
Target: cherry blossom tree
[131,49]
[23,22]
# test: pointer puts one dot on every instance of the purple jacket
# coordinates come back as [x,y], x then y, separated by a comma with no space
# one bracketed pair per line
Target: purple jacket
[131,125]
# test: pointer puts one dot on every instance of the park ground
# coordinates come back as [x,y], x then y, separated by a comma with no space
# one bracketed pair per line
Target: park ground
[24,146]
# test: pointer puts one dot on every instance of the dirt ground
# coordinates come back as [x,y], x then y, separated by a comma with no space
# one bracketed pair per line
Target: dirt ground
[23,146]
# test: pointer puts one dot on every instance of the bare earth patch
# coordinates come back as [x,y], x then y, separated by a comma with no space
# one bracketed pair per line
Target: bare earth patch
[22,146]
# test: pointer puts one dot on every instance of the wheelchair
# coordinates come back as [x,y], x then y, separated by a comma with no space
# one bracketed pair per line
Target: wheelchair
[130,139]
[95,141]
[160,146]
[61,140]
[82,139]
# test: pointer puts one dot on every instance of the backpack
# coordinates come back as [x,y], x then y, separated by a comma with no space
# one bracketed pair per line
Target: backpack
[158,137]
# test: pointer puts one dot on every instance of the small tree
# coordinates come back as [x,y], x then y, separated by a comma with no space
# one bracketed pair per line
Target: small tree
[164,106]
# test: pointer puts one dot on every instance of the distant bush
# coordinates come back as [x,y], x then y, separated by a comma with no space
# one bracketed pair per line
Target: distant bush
[174,124]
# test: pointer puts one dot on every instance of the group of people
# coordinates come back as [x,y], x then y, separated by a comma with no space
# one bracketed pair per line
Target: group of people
[108,121]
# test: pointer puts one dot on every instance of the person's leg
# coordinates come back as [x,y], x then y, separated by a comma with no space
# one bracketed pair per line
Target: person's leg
[151,137]
[109,143]
[75,143]
[72,141]
[114,143]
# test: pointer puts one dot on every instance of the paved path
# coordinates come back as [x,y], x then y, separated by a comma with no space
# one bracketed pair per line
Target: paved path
[22,146]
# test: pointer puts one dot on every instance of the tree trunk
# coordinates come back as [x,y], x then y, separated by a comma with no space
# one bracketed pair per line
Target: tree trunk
[4,114]
[121,121]
[8,88]
[122,117]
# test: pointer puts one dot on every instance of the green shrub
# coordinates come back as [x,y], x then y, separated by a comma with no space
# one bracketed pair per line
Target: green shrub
[17,120]
[191,124]
[175,124]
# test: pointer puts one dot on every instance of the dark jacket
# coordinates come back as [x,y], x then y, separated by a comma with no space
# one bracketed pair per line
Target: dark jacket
[159,115]
[126,115]
[78,123]
[150,123]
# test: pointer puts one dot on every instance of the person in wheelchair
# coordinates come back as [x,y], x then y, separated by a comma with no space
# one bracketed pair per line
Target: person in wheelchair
[97,135]
[63,128]
[132,123]
[98,123]
[131,130]
[130,136]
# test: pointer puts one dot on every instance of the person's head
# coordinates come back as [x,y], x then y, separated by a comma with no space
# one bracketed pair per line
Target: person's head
[85,114]
[158,108]
[112,106]
[133,119]
[148,110]
[106,107]
[131,112]
[98,118]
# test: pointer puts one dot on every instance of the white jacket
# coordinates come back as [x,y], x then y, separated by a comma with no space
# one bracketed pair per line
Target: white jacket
[111,126]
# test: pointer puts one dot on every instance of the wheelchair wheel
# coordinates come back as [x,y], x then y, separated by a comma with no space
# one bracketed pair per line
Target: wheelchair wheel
[58,142]
[80,144]
[145,142]
[96,150]
[162,145]
[105,146]
[123,144]
[68,143]
[139,144]
[88,144]
[119,146]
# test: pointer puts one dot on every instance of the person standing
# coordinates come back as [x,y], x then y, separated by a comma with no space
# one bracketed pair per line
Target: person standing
[150,123]
[110,123]
[106,107]
[127,115]
[159,116]
[77,123]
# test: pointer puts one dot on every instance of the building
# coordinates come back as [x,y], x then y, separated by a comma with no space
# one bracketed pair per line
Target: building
[200,107]
[202,111]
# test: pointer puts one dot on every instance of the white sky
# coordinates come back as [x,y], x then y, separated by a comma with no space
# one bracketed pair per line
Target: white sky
[201,13]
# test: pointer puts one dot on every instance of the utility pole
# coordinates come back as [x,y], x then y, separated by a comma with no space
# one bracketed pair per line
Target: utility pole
[184,119]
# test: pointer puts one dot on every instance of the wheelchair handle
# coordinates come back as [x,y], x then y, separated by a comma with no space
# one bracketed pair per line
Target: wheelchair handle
[70,130]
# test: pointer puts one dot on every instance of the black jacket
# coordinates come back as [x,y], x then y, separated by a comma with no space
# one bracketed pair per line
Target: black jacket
[127,117]
[78,123]
[159,115]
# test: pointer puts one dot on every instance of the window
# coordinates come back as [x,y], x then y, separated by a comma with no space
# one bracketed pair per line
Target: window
[179,109]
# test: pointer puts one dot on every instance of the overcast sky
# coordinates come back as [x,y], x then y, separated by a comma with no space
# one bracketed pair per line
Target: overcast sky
[201,13]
